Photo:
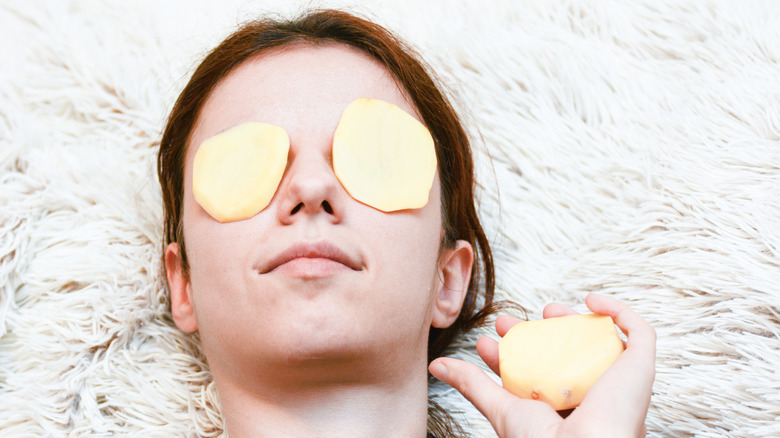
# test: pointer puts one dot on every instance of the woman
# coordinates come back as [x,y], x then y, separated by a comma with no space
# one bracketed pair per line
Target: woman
[321,315]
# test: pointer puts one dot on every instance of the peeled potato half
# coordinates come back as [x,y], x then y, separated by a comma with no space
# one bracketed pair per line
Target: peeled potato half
[383,156]
[237,171]
[557,360]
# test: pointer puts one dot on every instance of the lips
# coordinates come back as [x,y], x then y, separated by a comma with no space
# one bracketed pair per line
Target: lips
[313,250]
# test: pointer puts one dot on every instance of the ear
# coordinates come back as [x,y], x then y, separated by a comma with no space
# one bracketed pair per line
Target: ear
[454,277]
[182,306]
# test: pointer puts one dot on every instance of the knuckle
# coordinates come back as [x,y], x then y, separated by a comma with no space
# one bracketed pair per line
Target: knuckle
[499,416]
[463,379]
[653,334]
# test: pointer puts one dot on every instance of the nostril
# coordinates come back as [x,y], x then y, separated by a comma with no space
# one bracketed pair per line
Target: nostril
[297,207]
[326,206]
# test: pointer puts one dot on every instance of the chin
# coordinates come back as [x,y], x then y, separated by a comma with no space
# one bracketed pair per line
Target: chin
[323,354]
[332,362]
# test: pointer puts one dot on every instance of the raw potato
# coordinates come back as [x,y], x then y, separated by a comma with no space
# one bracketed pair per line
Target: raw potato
[237,171]
[383,156]
[557,360]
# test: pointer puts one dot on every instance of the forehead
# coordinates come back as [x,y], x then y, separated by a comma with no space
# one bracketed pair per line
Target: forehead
[302,88]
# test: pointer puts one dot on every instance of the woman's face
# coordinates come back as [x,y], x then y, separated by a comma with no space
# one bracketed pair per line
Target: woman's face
[378,296]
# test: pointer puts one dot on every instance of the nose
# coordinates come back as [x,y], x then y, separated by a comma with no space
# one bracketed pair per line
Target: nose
[310,189]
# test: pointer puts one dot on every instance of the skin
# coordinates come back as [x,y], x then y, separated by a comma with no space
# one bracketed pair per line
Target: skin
[317,348]
[314,347]
[616,406]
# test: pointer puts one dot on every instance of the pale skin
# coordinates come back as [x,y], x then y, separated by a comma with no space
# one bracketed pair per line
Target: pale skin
[616,406]
[324,347]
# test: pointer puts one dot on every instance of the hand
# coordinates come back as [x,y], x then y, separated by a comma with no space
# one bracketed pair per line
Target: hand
[616,405]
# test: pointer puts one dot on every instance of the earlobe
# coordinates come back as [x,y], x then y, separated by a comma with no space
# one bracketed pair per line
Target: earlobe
[182,306]
[455,276]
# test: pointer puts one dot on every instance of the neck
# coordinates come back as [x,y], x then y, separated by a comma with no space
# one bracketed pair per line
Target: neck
[309,400]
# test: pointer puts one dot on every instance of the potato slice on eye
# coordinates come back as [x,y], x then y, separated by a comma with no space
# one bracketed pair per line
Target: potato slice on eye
[383,156]
[237,171]
[557,360]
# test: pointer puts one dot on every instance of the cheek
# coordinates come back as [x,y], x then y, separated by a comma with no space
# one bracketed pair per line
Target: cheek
[403,283]
[205,241]
[406,244]
[219,253]
[404,254]
[220,256]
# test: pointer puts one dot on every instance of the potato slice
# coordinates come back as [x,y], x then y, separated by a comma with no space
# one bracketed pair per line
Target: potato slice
[557,360]
[383,156]
[237,171]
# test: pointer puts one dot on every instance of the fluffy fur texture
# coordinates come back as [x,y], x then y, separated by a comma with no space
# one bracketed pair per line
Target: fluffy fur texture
[634,151]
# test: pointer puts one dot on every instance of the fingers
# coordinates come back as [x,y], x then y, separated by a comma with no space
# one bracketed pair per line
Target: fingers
[619,399]
[554,310]
[621,396]
[488,351]
[470,381]
[501,408]
[504,323]
[641,336]
[626,386]
[640,346]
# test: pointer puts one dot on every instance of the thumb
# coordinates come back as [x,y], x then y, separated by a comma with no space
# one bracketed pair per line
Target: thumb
[510,416]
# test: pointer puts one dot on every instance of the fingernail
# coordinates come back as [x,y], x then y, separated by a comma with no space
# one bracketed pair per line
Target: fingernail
[438,370]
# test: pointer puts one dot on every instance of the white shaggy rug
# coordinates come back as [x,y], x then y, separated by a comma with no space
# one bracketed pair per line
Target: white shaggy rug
[635,152]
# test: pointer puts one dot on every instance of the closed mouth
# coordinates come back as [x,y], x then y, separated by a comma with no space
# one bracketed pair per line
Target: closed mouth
[314,250]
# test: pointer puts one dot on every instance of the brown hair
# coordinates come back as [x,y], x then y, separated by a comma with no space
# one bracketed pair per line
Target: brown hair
[453,151]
